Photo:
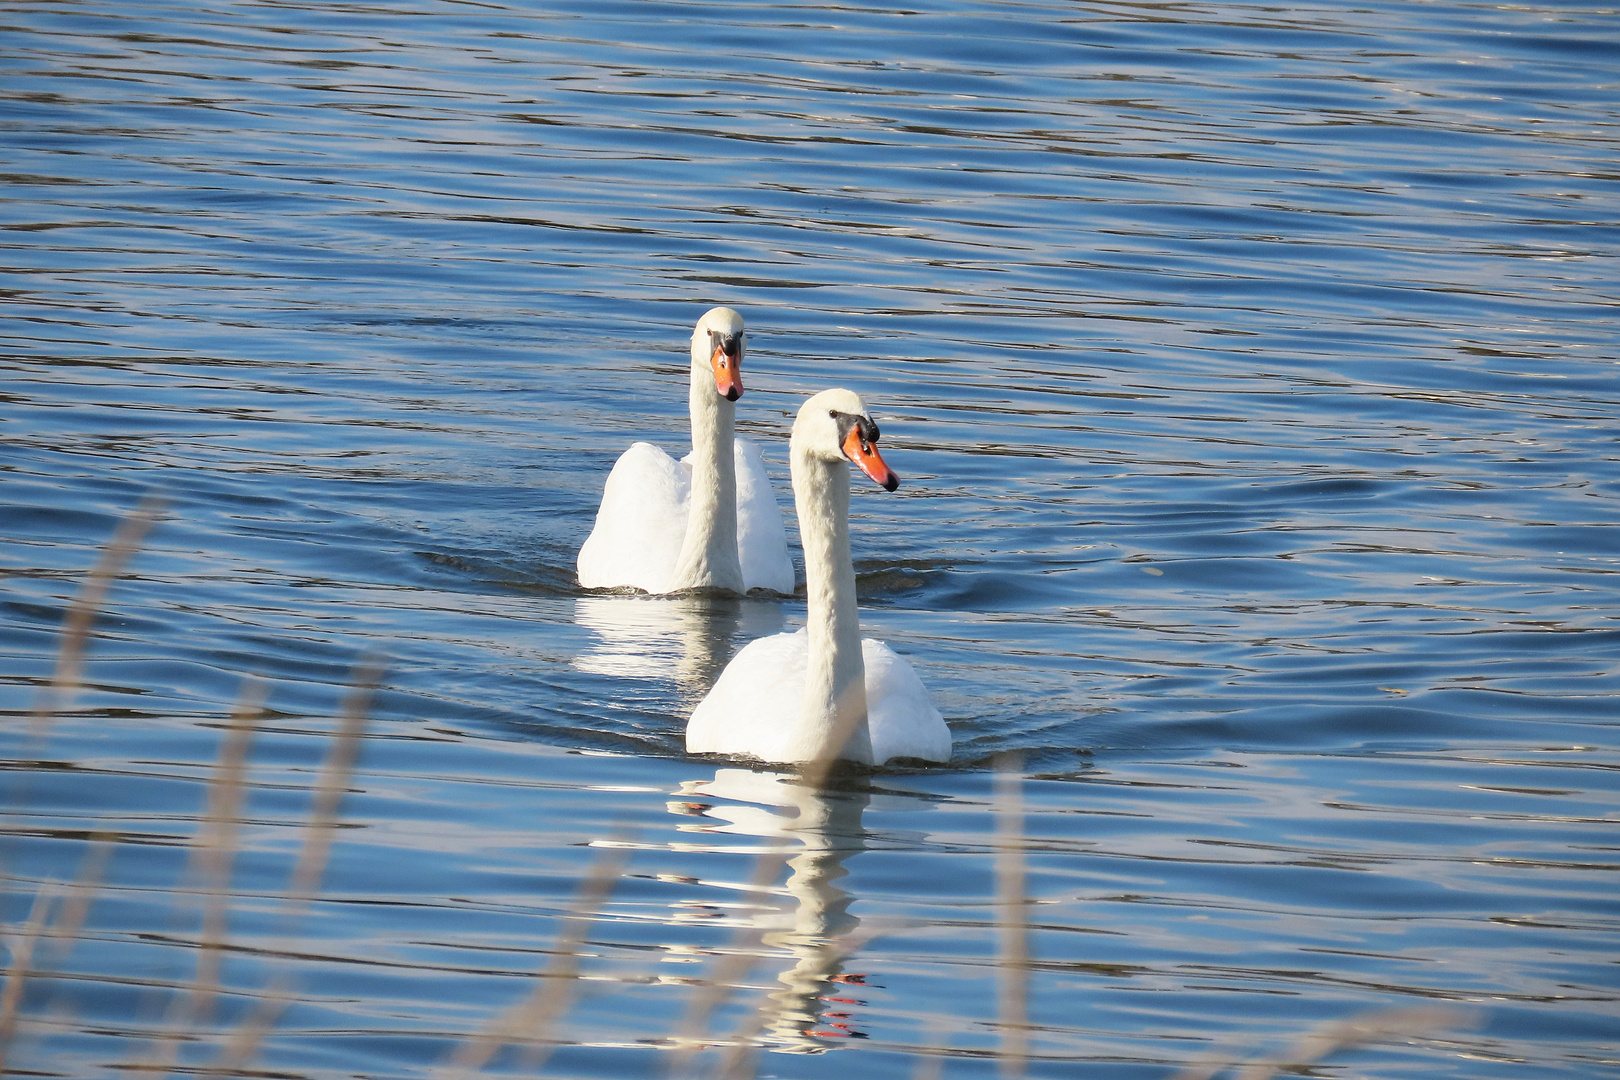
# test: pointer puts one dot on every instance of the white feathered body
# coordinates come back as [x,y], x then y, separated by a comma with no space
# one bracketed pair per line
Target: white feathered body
[642,523]
[824,692]
[757,707]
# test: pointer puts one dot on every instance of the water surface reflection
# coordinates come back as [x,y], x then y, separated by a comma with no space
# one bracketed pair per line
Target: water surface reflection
[817,830]
[1251,370]
[687,640]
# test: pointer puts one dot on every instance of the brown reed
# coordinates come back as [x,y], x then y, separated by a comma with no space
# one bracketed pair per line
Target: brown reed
[66,678]
[212,854]
[22,965]
[1012,902]
[87,605]
[1379,1025]
[330,786]
[70,916]
[76,907]
[530,1022]
[729,969]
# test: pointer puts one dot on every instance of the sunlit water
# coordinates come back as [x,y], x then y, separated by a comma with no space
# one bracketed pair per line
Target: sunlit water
[1251,373]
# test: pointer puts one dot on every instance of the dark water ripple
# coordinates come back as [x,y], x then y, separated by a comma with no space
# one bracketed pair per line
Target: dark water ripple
[1252,376]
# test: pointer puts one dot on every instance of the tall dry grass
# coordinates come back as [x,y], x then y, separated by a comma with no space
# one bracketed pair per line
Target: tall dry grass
[535,1023]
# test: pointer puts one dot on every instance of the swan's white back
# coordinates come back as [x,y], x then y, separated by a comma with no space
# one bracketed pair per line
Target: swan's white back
[642,523]
[709,519]
[761,537]
[824,691]
[756,708]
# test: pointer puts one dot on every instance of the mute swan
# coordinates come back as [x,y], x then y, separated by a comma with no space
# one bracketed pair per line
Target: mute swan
[823,692]
[706,521]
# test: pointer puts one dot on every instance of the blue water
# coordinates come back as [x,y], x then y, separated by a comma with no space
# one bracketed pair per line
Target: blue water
[1252,378]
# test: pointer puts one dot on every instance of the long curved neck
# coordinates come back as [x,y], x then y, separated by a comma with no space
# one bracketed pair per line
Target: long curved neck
[708,557]
[835,679]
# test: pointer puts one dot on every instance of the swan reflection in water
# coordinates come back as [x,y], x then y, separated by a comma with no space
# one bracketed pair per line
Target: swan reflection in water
[685,639]
[688,640]
[817,1004]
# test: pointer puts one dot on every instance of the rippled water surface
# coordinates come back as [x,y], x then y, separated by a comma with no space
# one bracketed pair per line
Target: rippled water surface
[1252,375]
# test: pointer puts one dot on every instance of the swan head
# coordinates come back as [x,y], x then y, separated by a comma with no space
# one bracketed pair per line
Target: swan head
[834,425]
[718,343]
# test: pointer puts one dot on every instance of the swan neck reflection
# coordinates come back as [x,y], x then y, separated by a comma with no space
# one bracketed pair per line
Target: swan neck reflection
[823,826]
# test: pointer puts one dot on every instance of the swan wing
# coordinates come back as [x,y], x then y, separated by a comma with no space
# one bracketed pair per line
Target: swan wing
[761,539]
[901,717]
[641,524]
[754,709]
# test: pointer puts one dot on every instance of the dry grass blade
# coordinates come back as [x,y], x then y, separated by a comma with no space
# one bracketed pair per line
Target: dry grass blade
[531,1020]
[741,1056]
[69,919]
[333,783]
[741,1061]
[80,619]
[243,1044]
[846,718]
[83,889]
[21,966]
[219,842]
[1370,1027]
[931,1066]
[81,615]
[211,859]
[330,787]
[1360,1030]
[1012,900]
[729,969]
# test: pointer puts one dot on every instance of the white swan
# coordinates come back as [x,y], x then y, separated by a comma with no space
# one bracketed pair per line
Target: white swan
[706,521]
[823,692]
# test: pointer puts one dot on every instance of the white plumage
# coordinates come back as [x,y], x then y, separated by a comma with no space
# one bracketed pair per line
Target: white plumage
[755,709]
[709,520]
[823,692]
[642,523]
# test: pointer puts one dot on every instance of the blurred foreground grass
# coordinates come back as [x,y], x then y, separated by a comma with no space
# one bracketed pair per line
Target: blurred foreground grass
[186,1035]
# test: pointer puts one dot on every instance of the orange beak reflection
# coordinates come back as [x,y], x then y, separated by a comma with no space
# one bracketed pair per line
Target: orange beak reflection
[727,373]
[866,455]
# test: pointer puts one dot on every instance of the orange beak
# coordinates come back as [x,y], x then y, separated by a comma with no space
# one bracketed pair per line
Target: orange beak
[866,455]
[727,373]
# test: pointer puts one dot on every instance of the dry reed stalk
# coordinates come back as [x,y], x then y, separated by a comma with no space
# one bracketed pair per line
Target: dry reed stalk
[738,1062]
[1377,1026]
[65,927]
[741,1056]
[529,1022]
[729,969]
[219,845]
[330,787]
[211,857]
[333,784]
[87,604]
[70,919]
[79,621]
[1012,900]
[741,1060]
[931,1066]
[242,1046]
[21,966]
